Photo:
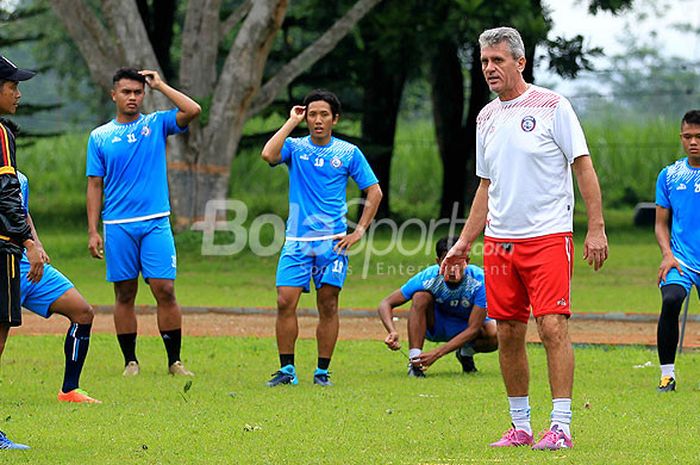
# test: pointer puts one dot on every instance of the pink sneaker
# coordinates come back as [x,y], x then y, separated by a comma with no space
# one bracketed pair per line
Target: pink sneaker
[514,438]
[554,439]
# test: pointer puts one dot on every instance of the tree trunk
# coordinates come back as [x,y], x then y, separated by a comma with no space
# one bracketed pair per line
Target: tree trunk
[479,96]
[447,93]
[200,161]
[382,98]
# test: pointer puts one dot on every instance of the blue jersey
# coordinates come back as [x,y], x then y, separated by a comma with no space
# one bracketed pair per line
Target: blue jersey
[131,160]
[318,179]
[678,189]
[456,300]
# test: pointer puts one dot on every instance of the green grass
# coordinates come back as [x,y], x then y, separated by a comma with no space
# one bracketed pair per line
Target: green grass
[374,414]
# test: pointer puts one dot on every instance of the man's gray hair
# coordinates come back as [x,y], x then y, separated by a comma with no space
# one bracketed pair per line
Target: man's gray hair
[493,37]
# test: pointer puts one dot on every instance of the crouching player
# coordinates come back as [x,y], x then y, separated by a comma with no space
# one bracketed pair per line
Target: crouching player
[453,312]
[54,293]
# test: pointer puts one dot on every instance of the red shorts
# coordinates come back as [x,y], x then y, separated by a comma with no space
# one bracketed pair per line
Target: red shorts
[528,273]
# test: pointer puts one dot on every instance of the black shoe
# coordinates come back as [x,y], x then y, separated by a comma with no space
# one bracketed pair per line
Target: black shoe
[415,372]
[322,378]
[286,375]
[467,362]
[667,384]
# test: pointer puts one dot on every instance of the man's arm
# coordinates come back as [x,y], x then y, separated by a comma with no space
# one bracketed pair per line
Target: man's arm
[272,151]
[456,259]
[595,247]
[373,196]
[188,108]
[663,237]
[476,321]
[94,206]
[14,222]
[45,257]
[386,314]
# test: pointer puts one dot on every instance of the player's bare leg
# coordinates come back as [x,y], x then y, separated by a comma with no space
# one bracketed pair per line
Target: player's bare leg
[328,321]
[512,357]
[487,340]
[125,323]
[554,332]
[326,331]
[287,331]
[287,326]
[421,316]
[169,322]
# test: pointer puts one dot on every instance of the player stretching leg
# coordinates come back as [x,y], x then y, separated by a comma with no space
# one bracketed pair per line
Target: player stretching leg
[56,294]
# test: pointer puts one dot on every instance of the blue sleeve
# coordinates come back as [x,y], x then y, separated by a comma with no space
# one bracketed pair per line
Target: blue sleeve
[479,297]
[169,119]
[287,150]
[95,159]
[360,171]
[415,284]
[24,188]
[662,197]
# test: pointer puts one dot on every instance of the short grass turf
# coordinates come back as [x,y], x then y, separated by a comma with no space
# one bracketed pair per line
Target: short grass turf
[373,415]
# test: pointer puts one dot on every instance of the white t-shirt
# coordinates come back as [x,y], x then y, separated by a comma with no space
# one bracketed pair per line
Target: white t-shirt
[525,147]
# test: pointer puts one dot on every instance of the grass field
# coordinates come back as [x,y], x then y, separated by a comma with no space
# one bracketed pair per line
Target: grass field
[374,414]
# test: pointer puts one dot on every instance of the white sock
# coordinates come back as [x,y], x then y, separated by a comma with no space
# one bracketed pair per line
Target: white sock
[520,413]
[414,353]
[561,415]
[668,370]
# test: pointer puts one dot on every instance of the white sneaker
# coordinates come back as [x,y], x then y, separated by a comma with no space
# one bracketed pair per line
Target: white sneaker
[131,369]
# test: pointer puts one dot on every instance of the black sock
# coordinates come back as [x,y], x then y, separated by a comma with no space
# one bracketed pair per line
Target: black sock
[323,363]
[127,342]
[286,359]
[172,340]
[672,297]
[75,349]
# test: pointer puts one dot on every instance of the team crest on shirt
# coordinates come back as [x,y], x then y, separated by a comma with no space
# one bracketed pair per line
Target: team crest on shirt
[697,187]
[528,123]
[336,163]
[145,131]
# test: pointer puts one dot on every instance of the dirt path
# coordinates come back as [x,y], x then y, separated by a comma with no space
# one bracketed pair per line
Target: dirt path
[217,324]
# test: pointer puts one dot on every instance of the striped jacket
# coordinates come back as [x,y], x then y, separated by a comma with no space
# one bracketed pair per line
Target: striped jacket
[14,229]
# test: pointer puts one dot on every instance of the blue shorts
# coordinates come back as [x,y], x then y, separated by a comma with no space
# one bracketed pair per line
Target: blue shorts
[446,326]
[300,261]
[145,247]
[687,279]
[38,297]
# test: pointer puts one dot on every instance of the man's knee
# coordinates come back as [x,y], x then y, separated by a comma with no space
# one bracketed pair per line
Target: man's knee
[553,330]
[164,292]
[421,302]
[672,296]
[84,314]
[328,305]
[125,292]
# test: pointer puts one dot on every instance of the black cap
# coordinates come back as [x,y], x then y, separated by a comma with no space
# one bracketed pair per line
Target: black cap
[10,72]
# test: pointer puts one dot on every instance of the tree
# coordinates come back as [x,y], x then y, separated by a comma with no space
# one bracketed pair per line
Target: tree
[230,87]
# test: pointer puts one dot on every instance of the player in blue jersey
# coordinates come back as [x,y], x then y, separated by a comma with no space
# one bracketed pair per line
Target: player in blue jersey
[54,293]
[126,163]
[441,311]
[316,238]
[678,205]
